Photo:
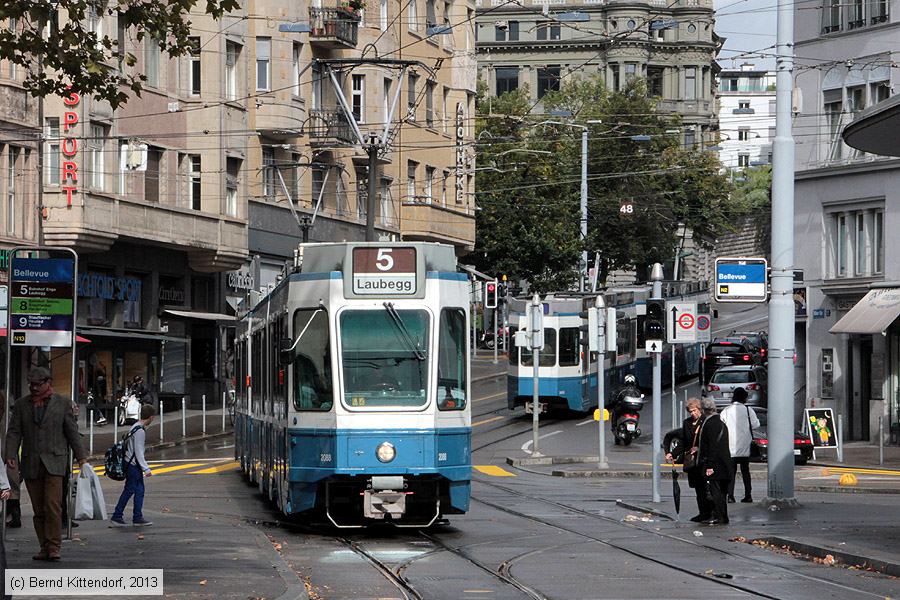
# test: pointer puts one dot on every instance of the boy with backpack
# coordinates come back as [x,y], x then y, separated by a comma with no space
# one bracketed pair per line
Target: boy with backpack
[136,468]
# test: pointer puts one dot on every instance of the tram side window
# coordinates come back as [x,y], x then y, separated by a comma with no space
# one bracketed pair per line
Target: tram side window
[256,379]
[452,376]
[272,364]
[568,347]
[623,337]
[513,351]
[548,352]
[312,360]
[240,385]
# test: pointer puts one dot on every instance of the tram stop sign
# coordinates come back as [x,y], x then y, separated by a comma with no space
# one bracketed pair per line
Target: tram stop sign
[681,322]
[741,280]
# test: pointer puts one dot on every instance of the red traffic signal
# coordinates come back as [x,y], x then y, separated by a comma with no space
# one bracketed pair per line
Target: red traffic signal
[490,294]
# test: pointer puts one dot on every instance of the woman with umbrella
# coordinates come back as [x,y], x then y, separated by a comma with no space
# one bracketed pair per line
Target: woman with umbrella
[687,454]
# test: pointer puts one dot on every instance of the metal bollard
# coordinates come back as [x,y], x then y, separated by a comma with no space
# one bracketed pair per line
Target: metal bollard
[203,398]
[840,438]
[183,430]
[224,409]
[92,432]
[880,440]
[161,420]
[115,423]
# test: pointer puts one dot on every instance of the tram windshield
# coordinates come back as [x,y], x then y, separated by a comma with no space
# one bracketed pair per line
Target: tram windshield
[384,358]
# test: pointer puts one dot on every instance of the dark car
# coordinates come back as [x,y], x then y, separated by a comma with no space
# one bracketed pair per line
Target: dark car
[759,339]
[759,447]
[724,353]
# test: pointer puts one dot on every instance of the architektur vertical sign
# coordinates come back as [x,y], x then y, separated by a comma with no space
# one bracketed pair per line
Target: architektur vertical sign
[460,153]
[42,301]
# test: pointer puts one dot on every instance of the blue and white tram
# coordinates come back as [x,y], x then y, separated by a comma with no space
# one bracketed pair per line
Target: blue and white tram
[354,400]
[568,373]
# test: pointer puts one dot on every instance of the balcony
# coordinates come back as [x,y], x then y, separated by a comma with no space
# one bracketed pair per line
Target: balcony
[329,128]
[437,223]
[685,107]
[95,222]
[280,119]
[333,28]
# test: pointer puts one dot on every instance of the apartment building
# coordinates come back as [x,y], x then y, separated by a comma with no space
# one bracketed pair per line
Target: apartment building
[845,201]
[746,98]
[335,76]
[540,44]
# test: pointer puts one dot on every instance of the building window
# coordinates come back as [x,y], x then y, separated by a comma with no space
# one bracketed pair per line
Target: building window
[318,184]
[52,149]
[690,83]
[411,181]
[11,188]
[340,194]
[444,187]
[412,16]
[429,184]
[547,79]
[878,11]
[614,70]
[386,108]
[507,79]
[151,61]
[95,156]
[832,16]
[430,14]
[655,82]
[315,101]
[152,174]
[361,194]
[268,161]
[445,102]
[295,68]
[263,63]
[232,171]
[841,246]
[743,105]
[630,71]
[359,98]
[743,160]
[832,108]
[429,103]
[471,28]
[857,18]
[859,249]
[500,32]
[195,66]
[879,92]
[878,242]
[743,134]
[412,79]
[548,31]
[448,10]
[194,177]
[689,138]
[383,15]
[856,98]
[232,53]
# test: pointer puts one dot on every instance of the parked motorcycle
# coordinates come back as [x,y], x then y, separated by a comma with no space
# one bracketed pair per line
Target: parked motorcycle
[626,412]
[488,338]
[129,407]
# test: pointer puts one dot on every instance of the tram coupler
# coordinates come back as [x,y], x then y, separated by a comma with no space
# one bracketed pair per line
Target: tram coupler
[384,497]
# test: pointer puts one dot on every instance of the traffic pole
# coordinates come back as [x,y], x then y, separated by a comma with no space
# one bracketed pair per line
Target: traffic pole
[496,338]
[674,393]
[656,277]
[601,379]
[203,400]
[536,333]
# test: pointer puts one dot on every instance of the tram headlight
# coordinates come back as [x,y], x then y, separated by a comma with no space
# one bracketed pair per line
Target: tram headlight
[386,452]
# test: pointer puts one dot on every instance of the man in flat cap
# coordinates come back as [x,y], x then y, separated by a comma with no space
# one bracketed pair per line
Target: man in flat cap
[44,425]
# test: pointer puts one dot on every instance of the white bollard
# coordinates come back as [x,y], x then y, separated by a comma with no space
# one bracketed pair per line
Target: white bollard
[91,451]
[161,420]
[880,440]
[840,438]
[115,423]
[183,430]
[203,399]
[224,409]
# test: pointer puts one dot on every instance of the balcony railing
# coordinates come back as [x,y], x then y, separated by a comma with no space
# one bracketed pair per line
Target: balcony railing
[329,126]
[333,27]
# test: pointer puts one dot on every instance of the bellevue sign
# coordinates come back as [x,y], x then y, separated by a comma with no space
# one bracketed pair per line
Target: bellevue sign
[741,280]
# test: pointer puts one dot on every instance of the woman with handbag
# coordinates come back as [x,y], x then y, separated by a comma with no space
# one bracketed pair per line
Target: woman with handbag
[690,436]
[714,461]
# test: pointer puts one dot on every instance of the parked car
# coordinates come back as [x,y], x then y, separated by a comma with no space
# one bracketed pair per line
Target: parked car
[725,380]
[724,353]
[759,447]
[759,339]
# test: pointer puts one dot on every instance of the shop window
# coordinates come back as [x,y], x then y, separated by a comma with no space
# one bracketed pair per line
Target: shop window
[173,369]
[202,293]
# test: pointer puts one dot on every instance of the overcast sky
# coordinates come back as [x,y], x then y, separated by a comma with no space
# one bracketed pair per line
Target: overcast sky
[747,25]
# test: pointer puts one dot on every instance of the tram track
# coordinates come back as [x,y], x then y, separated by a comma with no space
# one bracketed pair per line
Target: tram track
[705,577]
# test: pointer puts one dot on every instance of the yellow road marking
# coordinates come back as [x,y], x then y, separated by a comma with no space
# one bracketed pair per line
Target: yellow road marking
[177,468]
[646,464]
[491,420]
[835,470]
[494,471]
[491,397]
[229,466]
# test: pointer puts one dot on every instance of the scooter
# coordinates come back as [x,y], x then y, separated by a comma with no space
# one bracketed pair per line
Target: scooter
[628,417]
[126,399]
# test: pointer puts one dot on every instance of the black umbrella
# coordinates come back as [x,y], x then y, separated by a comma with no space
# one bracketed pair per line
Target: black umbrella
[676,490]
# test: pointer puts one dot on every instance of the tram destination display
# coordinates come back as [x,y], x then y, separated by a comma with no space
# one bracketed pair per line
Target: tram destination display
[385,272]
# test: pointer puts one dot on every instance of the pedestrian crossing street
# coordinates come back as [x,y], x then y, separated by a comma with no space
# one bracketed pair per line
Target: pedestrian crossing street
[223,465]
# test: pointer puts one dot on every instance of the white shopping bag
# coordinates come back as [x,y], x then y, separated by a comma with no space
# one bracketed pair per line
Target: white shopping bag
[89,503]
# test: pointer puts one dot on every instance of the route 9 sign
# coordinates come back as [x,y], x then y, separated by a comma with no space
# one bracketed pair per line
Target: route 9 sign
[384,271]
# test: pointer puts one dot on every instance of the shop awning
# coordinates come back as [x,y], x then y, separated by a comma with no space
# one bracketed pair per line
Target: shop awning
[78,338]
[130,333]
[873,314]
[203,316]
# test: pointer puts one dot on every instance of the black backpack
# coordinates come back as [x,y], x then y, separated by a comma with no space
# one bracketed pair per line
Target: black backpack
[115,457]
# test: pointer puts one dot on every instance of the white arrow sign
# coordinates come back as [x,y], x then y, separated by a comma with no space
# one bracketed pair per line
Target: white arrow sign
[653,346]
[681,322]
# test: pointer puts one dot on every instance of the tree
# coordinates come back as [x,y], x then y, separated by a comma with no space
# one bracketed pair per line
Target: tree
[753,196]
[55,42]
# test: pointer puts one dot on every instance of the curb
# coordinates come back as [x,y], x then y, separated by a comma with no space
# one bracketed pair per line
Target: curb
[843,489]
[859,468]
[164,445]
[845,558]
[550,460]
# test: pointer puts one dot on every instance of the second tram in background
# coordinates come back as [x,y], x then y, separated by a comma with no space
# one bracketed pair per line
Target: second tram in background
[353,401]
[568,372]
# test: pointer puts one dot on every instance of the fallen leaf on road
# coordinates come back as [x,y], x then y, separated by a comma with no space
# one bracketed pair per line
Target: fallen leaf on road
[739,538]
[828,560]
[140,536]
[166,509]
[203,582]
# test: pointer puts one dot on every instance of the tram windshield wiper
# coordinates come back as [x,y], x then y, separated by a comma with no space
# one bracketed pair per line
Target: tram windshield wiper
[417,349]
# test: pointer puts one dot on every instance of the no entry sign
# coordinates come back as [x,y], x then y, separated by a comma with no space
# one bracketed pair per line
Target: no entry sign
[681,322]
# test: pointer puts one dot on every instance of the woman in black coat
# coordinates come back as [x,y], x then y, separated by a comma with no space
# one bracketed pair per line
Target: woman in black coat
[690,438]
[714,462]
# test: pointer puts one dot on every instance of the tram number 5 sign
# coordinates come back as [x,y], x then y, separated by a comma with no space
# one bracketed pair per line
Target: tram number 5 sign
[388,271]
[681,319]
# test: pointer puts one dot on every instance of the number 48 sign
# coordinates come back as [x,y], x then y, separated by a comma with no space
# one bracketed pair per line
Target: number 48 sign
[626,208]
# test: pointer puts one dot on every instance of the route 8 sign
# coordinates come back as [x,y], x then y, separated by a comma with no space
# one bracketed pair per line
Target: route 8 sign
[681,322]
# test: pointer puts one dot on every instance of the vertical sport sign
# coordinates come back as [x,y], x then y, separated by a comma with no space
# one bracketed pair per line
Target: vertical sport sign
[42,301]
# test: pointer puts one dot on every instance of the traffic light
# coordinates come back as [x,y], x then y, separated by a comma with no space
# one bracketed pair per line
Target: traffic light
[490,294]
[655,323]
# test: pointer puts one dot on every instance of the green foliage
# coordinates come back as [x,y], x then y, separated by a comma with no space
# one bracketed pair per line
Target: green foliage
[528,225]
[752,197]
[70,55]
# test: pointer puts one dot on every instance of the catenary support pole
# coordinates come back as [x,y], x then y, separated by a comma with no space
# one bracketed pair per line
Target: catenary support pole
[840,438]
[674,391]
[495,336]
[601,378]
[115,423]
[91,437]
[373,187]
[584,207]
[203,401]
[183,407]
[656,276]
[536,400]
[781,303]
[880,440]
